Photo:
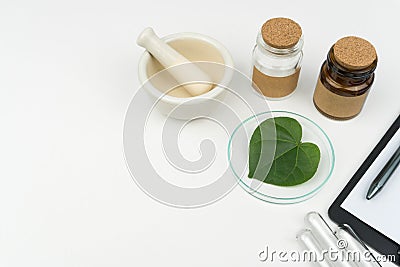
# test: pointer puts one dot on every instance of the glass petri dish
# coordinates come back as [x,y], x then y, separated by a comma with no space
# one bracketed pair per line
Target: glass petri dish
[238,151]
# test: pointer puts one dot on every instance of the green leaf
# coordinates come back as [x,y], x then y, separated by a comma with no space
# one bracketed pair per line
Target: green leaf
[277,156]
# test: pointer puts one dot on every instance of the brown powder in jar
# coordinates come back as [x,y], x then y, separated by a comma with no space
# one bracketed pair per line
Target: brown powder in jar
[354,52]
[281,33]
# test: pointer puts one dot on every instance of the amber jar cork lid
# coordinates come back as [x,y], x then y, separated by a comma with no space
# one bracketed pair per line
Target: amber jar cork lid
[281,33]
[354,53]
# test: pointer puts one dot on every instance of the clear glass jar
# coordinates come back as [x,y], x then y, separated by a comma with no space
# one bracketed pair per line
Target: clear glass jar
[277,62]
[276,70]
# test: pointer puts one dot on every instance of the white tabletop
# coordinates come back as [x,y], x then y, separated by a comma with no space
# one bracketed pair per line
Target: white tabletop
[67,73]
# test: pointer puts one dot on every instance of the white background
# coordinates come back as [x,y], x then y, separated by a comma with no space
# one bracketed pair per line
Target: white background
[67,73]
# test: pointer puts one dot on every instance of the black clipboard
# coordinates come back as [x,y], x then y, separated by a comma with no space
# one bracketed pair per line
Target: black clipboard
[369,235]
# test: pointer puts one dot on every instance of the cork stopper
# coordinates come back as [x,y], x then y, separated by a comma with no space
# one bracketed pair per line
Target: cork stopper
[354,53]
[281,33]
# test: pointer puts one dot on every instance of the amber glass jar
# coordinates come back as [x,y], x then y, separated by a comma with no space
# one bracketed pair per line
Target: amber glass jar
[345,79]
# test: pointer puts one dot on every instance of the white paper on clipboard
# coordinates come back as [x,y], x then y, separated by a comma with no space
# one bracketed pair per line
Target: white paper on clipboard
[383,211]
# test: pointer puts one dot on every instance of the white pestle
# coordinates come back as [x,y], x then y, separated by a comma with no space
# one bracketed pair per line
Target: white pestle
[169,57]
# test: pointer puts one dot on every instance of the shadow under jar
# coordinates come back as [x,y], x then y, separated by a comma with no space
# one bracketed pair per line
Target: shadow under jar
[346,78]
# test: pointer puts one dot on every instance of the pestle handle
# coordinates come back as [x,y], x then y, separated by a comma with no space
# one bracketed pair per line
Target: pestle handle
[165,54]
[169,57]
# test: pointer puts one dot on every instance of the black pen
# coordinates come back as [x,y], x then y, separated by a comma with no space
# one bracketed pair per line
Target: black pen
[384,175]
